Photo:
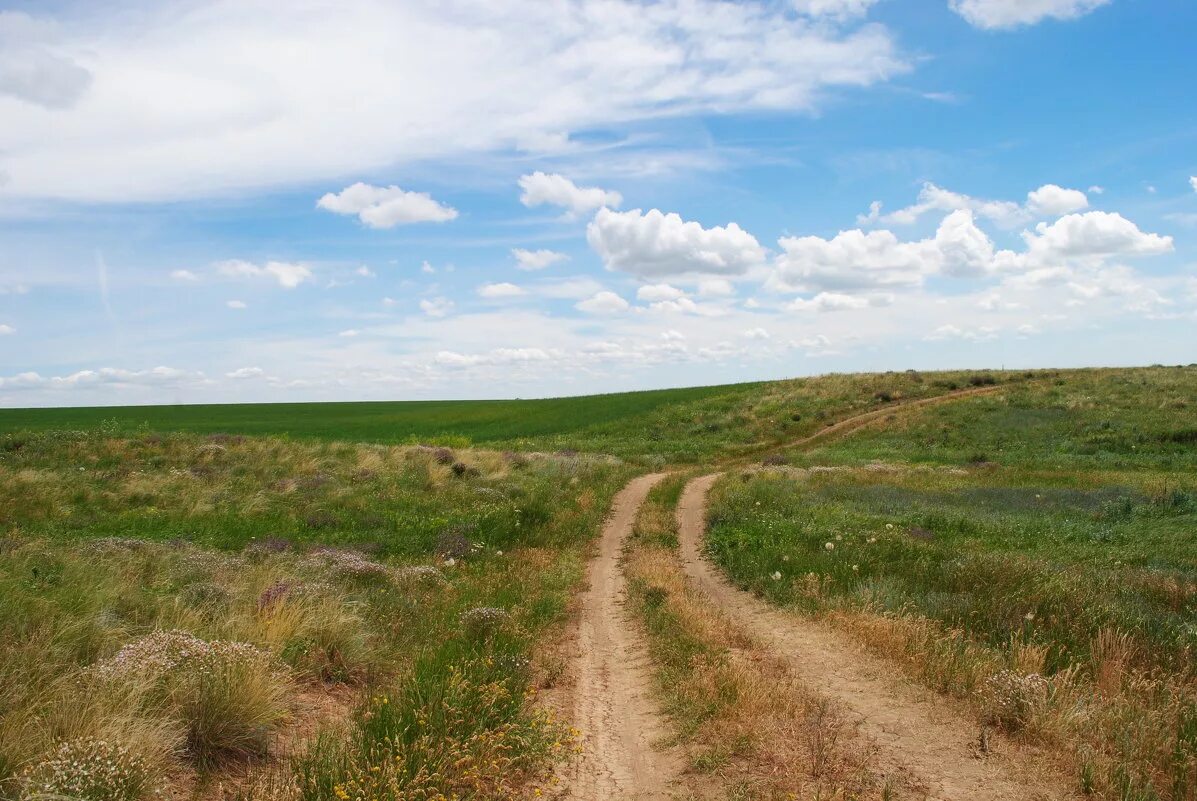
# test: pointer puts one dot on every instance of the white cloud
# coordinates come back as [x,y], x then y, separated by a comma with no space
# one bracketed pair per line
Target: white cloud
[33,71]
[575,287]
[1000,14]
[389,302]
[157,376]
[855,259]
[715,288]
[287,274]
[427,268]
[1093,235]
[184,275]
[1096,190]
[498,356]
[656,245]
[365,272]
[685,305]
[755,333]
[349,333]
[436,307]
[6,330]
[655,292]
[236,304]
[982,333]
[829,302]
[1050,200]
[837,9]
[386,207]
[605,302]
[501,290]
[536,259]
[203,98]
[1193,182]
[540,188]
[14,289]
[673,336]
[245,372]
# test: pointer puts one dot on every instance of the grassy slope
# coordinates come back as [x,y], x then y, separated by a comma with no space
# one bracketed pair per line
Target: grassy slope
[1046,529]
[665,426]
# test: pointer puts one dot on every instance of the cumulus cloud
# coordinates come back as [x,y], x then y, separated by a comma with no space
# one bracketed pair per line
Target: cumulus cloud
[605,302]
[501,290]
[1048,200]
[243,373]
[118,377]
[184,275]
[755,333]
[556,190]
[236,304]
[982,333]
[498,356]
[349,333]
[287,274]
[837,9]
[715,288]
[6,329]
[829,302]
[386,206]
[1193,182]
[536,259]
[658,245]
[655,292]
[859,260]
[343,88]
[436,307]
[1005,14]
[1094,235]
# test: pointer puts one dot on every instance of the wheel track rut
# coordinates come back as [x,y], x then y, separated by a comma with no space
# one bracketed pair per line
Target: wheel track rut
[612,699]
[918,736]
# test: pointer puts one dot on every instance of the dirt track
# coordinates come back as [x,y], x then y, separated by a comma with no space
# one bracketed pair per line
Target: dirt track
[612,705]
[918,735]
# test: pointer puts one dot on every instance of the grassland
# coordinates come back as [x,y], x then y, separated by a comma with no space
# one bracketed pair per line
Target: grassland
[412,587]
[304,602]
[662,427]
[1030,552]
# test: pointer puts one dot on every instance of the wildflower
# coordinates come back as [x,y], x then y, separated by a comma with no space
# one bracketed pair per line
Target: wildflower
[855,568]
[785,557]
[89,770]
[498,553]
[830,546]
[872,540]
[1029,616]
[776,575]
[450,562]
[839,537]
[889,526]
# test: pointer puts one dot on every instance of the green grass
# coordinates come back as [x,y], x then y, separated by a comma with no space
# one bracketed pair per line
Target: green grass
[109,539]
[654,427]
[1048,529]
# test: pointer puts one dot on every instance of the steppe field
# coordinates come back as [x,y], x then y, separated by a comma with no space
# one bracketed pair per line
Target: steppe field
[951,585]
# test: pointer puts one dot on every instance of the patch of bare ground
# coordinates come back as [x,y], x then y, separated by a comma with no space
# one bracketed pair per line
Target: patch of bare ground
[620,730]
[316,708]
[919,737]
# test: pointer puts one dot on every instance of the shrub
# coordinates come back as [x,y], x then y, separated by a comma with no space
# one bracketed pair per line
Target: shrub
[775,460]
[88,770]
[228,695]
[1011,699]
[982,380]
[483,621]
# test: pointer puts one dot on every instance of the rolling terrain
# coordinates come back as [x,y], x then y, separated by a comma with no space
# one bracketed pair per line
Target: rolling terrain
[902,585]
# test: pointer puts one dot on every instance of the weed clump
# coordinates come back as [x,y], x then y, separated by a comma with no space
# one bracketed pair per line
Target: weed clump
[88,770]
[1011,699]
[229,695]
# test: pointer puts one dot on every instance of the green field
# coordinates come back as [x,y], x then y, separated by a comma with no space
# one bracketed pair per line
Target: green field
[1045,530]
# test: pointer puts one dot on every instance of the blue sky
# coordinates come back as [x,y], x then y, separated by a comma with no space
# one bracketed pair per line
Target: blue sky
[206,201]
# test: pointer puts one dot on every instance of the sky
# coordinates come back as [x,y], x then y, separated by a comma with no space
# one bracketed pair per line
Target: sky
[210,201]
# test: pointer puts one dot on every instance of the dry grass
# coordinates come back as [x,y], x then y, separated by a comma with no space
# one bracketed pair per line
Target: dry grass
[751,729]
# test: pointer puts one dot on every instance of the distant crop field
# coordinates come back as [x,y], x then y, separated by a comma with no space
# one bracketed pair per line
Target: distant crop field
[485,421]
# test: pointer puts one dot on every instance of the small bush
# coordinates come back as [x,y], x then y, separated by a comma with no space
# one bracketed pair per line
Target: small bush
[981,380]
[1011,699]
[775,460]
[483,621]
[88,770]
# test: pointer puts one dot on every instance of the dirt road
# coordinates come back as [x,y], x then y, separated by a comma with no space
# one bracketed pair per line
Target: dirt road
[918,735]
[612,703]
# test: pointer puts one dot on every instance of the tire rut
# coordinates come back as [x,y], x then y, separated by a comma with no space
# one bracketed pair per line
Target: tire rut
[918,736]
[612,704]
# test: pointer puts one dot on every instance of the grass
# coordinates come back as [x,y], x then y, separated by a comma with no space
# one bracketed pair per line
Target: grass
[1030,552]
[655,427]
[749,728]
[286,568]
